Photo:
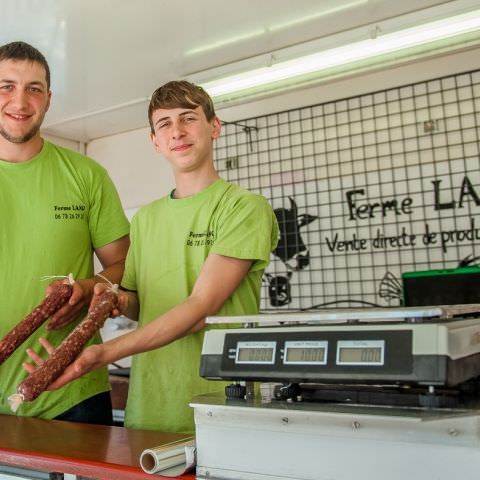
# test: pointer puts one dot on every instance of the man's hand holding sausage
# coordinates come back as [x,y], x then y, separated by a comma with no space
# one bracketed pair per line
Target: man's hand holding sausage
[91,358]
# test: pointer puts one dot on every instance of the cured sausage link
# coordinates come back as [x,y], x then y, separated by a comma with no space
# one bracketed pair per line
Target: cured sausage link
[52,303]
[69,349]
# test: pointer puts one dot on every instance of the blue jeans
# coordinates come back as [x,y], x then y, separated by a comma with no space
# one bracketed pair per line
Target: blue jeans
[96,409]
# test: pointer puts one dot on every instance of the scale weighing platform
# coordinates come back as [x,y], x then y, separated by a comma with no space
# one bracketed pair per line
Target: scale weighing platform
[369,393]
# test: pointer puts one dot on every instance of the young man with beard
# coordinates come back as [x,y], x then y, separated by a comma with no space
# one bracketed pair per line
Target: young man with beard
[197,252]
[57,208]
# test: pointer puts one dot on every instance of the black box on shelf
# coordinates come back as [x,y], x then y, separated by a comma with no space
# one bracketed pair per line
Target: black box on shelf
[441,287]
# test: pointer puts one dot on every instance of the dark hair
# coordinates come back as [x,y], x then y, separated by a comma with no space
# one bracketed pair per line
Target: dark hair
[180,94]
[24,51]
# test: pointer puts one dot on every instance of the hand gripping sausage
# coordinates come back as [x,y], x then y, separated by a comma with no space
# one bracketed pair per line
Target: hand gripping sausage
[38,381]
[52,303]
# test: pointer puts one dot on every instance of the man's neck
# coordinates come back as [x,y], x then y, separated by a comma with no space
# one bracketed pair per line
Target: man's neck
[20,152]
[189,184]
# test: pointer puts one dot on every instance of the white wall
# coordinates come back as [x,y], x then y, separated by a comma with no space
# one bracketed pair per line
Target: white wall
[141,175]
[64,142]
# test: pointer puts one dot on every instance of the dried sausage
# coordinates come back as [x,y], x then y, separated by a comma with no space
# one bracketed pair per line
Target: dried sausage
[69,349]
[52,303]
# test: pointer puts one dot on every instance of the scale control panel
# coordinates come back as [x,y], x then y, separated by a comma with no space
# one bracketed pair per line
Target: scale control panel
[317,355]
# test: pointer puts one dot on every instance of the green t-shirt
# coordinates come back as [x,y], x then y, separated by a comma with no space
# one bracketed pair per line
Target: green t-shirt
[171,238]
[55,209]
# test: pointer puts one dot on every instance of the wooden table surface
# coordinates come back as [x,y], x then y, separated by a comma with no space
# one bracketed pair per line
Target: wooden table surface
[95,451]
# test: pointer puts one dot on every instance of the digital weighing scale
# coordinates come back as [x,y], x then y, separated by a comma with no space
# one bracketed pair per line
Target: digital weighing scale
[369,393]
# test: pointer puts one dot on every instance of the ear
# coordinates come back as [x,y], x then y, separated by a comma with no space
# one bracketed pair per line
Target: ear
[49,100]
[217,127]
[304,219]
[153,139]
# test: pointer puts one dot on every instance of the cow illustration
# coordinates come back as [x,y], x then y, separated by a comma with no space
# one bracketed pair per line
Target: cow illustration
[291,249]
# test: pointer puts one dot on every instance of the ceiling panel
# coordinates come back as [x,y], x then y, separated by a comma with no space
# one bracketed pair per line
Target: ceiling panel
[107,56]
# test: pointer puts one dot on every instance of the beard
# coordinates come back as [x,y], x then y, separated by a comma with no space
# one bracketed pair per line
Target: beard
[24,137]
[21,138]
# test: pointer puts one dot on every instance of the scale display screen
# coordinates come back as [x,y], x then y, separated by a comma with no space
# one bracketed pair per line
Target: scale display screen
[305,352]
[314,354]
[256,353]
[360,352]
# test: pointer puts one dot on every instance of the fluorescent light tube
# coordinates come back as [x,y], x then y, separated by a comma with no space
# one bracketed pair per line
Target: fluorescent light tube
[366,49]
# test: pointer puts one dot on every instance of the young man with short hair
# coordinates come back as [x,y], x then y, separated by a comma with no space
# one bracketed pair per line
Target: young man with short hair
[57,208]
[197,252]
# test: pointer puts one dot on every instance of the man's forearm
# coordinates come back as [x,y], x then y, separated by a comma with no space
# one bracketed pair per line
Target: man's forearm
[112,273]
[183,319]
[206,299]
[132,305]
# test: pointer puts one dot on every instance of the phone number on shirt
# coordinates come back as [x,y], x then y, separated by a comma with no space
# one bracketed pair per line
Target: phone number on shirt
[69,216]
[200,243]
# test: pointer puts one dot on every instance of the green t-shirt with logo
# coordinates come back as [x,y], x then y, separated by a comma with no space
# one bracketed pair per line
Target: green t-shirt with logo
[171,238]
[55,209]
